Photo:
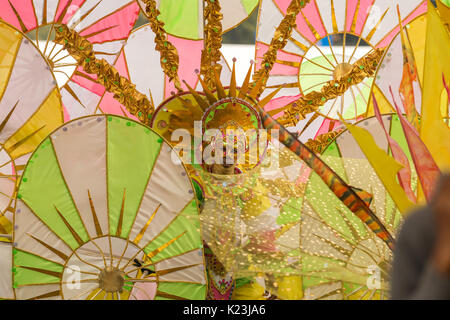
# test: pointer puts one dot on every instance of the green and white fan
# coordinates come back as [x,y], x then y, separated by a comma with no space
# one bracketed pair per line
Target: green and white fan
[341,257]
[106,211]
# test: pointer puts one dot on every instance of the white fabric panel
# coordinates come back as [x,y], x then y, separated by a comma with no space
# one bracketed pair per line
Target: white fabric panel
[8,185]
[302,123]
[52,5]
[193,274]
[350,149]
[233,12]
[390,21]
[144,63]
[6,289]
[292,47]
[112,47]
[312,129]
[282,93]
[390,72]
[78,176]
[269,19]
[88,99]
[30,83]
[340,106]
[28,223]
[169,186]
[200,21]
[324,8]
[73,107]
[225,76]
[278,80]
[25,293]
[103,9]
[38,9]
[340,7]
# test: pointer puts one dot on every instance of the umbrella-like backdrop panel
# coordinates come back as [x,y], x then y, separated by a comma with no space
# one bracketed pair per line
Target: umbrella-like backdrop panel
[330,37]
[141,64]
[106,24]
[104,213]
[30,108]
[342,258]
[184,18]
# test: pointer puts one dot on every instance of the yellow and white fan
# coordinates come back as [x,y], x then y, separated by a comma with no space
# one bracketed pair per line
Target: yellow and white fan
[30,108]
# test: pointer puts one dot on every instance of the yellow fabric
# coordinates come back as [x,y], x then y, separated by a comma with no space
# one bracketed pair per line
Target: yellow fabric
[5,228]
[417,34]
[9,44]
[434,133]
[249,291]
[290,288]
[48,117]
[385,166]
[444,10]
[257,204]
[383,104]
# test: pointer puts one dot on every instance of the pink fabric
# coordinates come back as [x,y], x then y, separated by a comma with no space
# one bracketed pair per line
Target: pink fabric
[278,68]
[110,105]
[312,13]
[388,38]
[121,23]
[280,102]
[327,126]
[427,169]
[190,52]
[302,26]
[88,84]
[351,8]
[363,14]
[24,9]
[304,176]
[66,114]
[404,174]
[73,6]
[143,291]
[446,87]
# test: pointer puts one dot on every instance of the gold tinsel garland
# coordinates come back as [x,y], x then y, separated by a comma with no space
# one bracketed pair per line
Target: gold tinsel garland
[213,42]
[124,91]
[363,68]
[279,41]
[319,144]
[169,54]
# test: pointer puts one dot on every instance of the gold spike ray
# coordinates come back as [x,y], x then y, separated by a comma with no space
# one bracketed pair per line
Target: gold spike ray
[124,91]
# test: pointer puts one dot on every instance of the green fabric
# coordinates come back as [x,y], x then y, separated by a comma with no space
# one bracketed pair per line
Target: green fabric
[242,282]
[317,265]
[249,5]
[189,291]
[132,152]
[181,18]
[43,188]
[329,207]
[446,2]
[290,212]
[24,276]
[310,83]
[185,224]
[398,135]
[332,152]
